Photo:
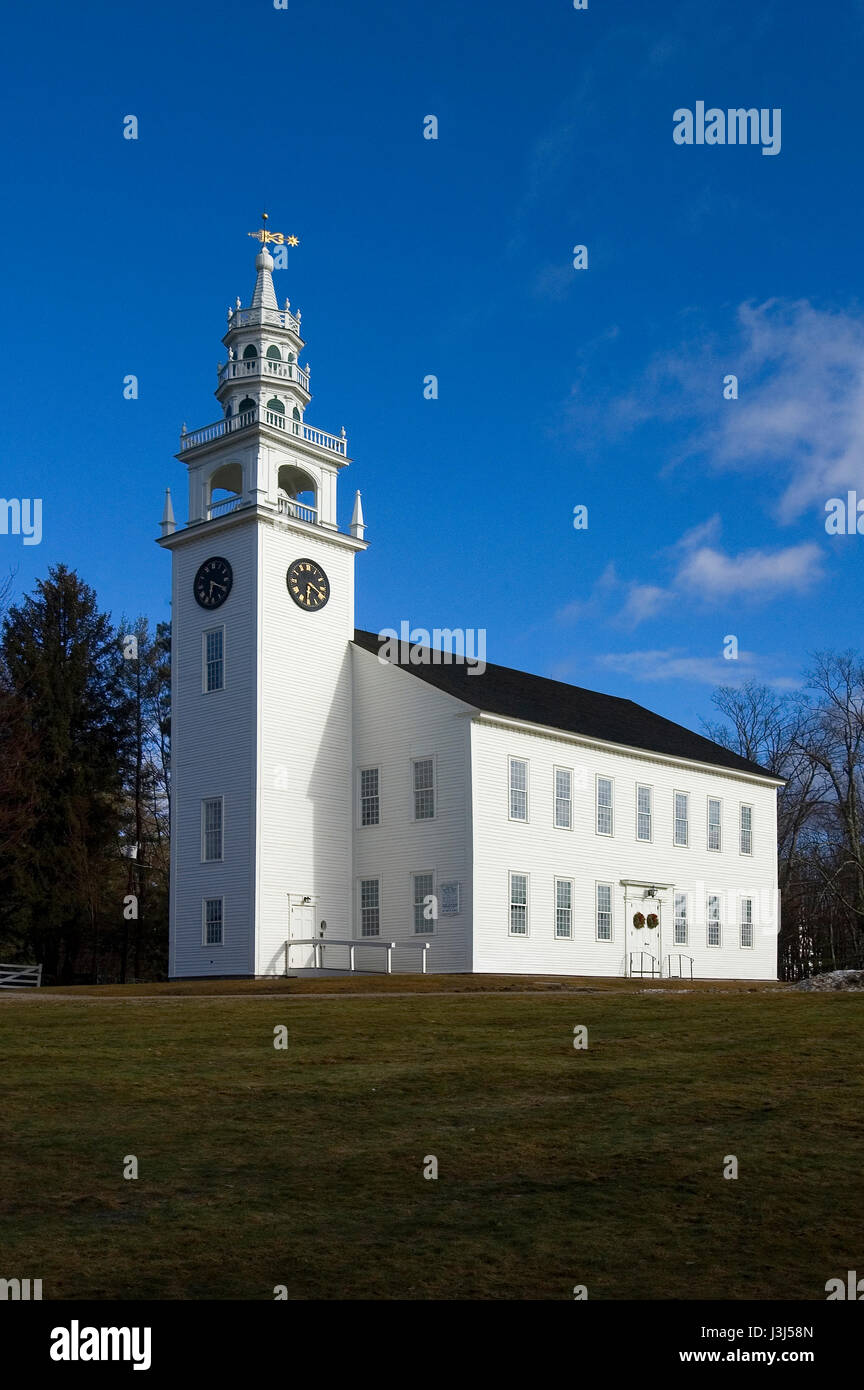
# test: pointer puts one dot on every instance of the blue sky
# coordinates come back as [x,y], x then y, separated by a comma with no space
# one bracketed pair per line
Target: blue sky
[453,257]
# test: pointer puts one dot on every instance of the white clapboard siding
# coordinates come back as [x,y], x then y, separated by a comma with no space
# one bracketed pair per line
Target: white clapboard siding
[544,852]
[398,718]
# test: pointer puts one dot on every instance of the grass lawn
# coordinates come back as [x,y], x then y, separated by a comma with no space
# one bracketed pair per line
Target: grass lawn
[557,1167]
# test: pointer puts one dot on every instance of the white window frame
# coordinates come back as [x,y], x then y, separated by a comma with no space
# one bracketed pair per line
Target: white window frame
[597,807]
[746,945]
[559,936]
[205,688]
[649,838]
[680,917]
[745,806]
[212,898]
[556,798]
[425,758]
[599,883]
[368,825]
[519,873]
[681,844]
[430,922]
[526,790]
[369,878]
[714,921]
[205,858]
[718,848]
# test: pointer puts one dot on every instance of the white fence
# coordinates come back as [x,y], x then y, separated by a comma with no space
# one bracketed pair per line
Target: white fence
[20,976]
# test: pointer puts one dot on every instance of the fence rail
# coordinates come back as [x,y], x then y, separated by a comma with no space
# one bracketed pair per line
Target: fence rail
[20,976]
[319,946]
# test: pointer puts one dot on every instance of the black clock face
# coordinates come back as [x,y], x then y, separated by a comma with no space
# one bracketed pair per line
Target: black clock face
[308,585]
[213,582]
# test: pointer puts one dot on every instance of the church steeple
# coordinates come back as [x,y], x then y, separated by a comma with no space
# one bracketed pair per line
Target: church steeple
[262,452]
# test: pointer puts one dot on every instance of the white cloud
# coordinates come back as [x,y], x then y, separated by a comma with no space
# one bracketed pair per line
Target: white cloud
[755,574]
[674,664]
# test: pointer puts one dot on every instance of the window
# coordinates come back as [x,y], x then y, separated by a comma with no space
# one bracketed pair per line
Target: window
[424,910]
[746,829]
[746,920]
[682,818]
[246,404]
[214,660]
[211,828]
[713,823]
[604,911]
[680,921]
[563,798]
[370,907]
[276,406]
[213,922]
[643,813]
[273,353]
[518,904]
[518,789]
[563,907]
[249,351]
[370,800]
[604,806]
[713,937]
[424,789]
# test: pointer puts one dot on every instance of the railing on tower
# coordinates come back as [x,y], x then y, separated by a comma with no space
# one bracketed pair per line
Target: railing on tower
[289,506]
[241,369]
[255,317]
[276,420]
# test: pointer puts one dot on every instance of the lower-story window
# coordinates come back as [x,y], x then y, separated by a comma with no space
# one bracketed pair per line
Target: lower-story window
[604,911]
[563,907]
[424,905]
[518,904]
[370,907]
[746,921]
[713,919]
[680,923]
[213,921]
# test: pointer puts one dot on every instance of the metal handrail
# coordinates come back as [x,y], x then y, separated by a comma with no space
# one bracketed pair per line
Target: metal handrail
[318,943]
[679,956]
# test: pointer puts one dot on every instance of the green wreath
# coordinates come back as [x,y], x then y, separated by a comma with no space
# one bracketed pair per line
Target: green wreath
[638,920]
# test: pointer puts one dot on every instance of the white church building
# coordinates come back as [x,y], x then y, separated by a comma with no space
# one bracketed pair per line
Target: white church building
[334,808]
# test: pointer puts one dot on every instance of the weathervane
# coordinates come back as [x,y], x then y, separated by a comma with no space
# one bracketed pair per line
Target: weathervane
[278,238]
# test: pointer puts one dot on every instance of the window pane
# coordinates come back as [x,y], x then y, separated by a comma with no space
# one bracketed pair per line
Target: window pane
[563,798]
[563,907]
[604,911]
[370,907]
[424,789]
[214,660]
[518,789]
[680,929]
[714,919]
[643,813]
[746,829]
[370,806]
[746,921]
[713,824]
[213,829]
[519,904]
[422,891]
[604,805]
[681,818]
[213,921]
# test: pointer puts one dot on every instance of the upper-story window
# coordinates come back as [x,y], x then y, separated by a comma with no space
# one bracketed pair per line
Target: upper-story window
[273,353]
[746,829]
[518,789]
[563,798]
[214,660]
[682,818]
[714,826]
[424,789]
[296,413]
[246,404]
[370,799]
[249,352]
[211,828]
[643,812]
[604,806]
[276,405]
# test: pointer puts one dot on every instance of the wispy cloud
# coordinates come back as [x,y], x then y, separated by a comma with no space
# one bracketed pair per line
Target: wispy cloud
[800,411]
[675,664]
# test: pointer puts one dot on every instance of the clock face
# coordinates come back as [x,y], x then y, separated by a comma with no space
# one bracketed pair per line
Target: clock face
[308,585]
[213,582]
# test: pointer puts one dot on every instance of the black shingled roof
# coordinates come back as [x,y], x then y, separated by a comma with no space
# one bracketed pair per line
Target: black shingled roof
[556,705]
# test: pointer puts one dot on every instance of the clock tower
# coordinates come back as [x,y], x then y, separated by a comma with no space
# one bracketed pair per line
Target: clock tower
[262,619]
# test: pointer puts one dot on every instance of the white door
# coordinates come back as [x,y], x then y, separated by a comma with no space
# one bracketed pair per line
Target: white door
[643,943]
[301,928]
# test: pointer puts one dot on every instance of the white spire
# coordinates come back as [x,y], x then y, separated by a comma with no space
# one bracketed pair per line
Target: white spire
[265,295]
[358,525]
[169,525]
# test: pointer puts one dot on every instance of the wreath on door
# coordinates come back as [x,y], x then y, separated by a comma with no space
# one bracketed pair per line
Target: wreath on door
[638,919]
[653,920]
